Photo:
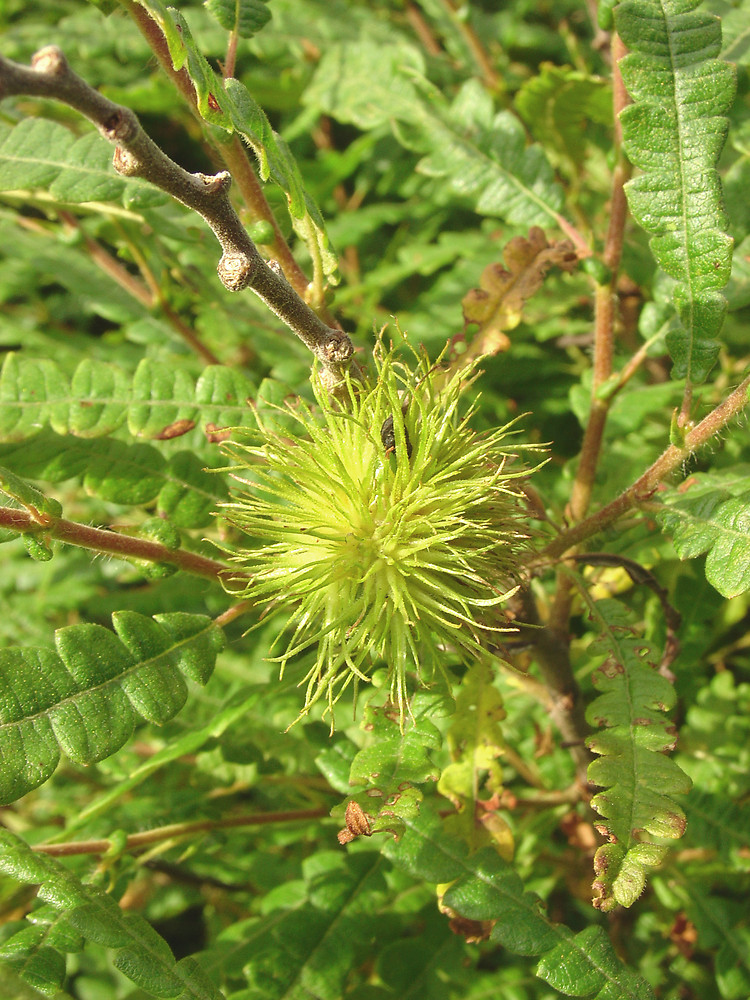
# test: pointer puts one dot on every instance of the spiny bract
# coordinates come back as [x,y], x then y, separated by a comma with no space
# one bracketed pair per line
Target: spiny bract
[385,544]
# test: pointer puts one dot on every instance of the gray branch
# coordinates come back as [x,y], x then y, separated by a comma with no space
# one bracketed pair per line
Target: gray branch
[137,155]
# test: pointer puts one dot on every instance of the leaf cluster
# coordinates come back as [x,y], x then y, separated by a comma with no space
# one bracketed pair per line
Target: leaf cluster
[564,224]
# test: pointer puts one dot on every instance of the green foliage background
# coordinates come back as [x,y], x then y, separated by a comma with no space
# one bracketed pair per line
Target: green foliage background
[407,143]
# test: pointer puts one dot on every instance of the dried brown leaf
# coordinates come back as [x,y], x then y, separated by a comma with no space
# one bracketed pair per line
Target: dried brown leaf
[497,305]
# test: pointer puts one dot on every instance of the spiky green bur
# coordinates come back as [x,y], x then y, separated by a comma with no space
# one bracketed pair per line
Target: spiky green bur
[395,554]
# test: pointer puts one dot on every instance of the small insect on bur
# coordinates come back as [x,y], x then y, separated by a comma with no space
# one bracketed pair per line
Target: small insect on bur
[388,437]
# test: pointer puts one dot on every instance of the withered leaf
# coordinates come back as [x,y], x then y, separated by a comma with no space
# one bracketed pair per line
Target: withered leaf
[497,305]
[357,824]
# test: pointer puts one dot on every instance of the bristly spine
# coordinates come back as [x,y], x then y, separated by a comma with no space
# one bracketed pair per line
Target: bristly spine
[398,555]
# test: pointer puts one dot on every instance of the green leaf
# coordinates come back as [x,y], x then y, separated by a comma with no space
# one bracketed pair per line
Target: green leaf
[84,699]
[28,496]
[640,780]
[395,760]
[14,988]
[246,17]
[184,52]
[674,131]
[190,495]
[228,103]
[711,514]
[486,888]
[43,154]
[277,164]
[312,949]
[143,955]
[95,409]
[559,104]
[189,743]
[483,154]
[159,390]
[29,390]
[161,401]
[476,742]
[37,950]
[132,475]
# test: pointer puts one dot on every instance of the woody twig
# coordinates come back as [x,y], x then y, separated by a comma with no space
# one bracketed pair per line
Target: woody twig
[137,155]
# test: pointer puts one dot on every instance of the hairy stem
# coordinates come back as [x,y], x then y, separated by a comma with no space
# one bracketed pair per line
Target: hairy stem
[604,324]
[136,155]
[604,333]
[113,543]
[645,486]
[181,830]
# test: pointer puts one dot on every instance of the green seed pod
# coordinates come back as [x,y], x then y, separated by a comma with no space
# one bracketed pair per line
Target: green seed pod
[384,547]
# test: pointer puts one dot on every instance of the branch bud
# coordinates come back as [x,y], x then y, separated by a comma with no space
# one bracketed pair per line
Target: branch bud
[235,271]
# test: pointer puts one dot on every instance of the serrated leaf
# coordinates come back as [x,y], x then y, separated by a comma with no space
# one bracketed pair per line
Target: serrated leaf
[395,761]
[184,490]
[97,390]
[559,104]
[28,952]
[483,154]
[640,781]
[711,514]
[190,743]
[121,473]
[486,888]
[84,699]
[675,131]
[224,395]
[190,496]
[158,402]
[276,163]
[184,52]
[29,390]
[476,743]
[143,955]
[40,153]
[246,17]
[158,395]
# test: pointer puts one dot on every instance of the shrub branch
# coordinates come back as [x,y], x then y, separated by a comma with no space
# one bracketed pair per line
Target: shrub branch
[137,155]
[646,485]
[181,830]
[113,543]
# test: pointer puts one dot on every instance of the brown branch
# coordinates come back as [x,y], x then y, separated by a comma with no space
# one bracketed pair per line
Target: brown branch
[161,833]
[136,155]
[644,487]
[604,335]
[233,154]
[113,543]
[490,76]
[565,705]
[422,30]
[604,323]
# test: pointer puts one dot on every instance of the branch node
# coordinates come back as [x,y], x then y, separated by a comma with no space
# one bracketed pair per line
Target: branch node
[338,349]
[215,184]
[126,163]
[235,271]
[121,127]
[49,61]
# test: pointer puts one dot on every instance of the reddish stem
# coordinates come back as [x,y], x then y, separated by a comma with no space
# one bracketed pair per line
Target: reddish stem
[136,840]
